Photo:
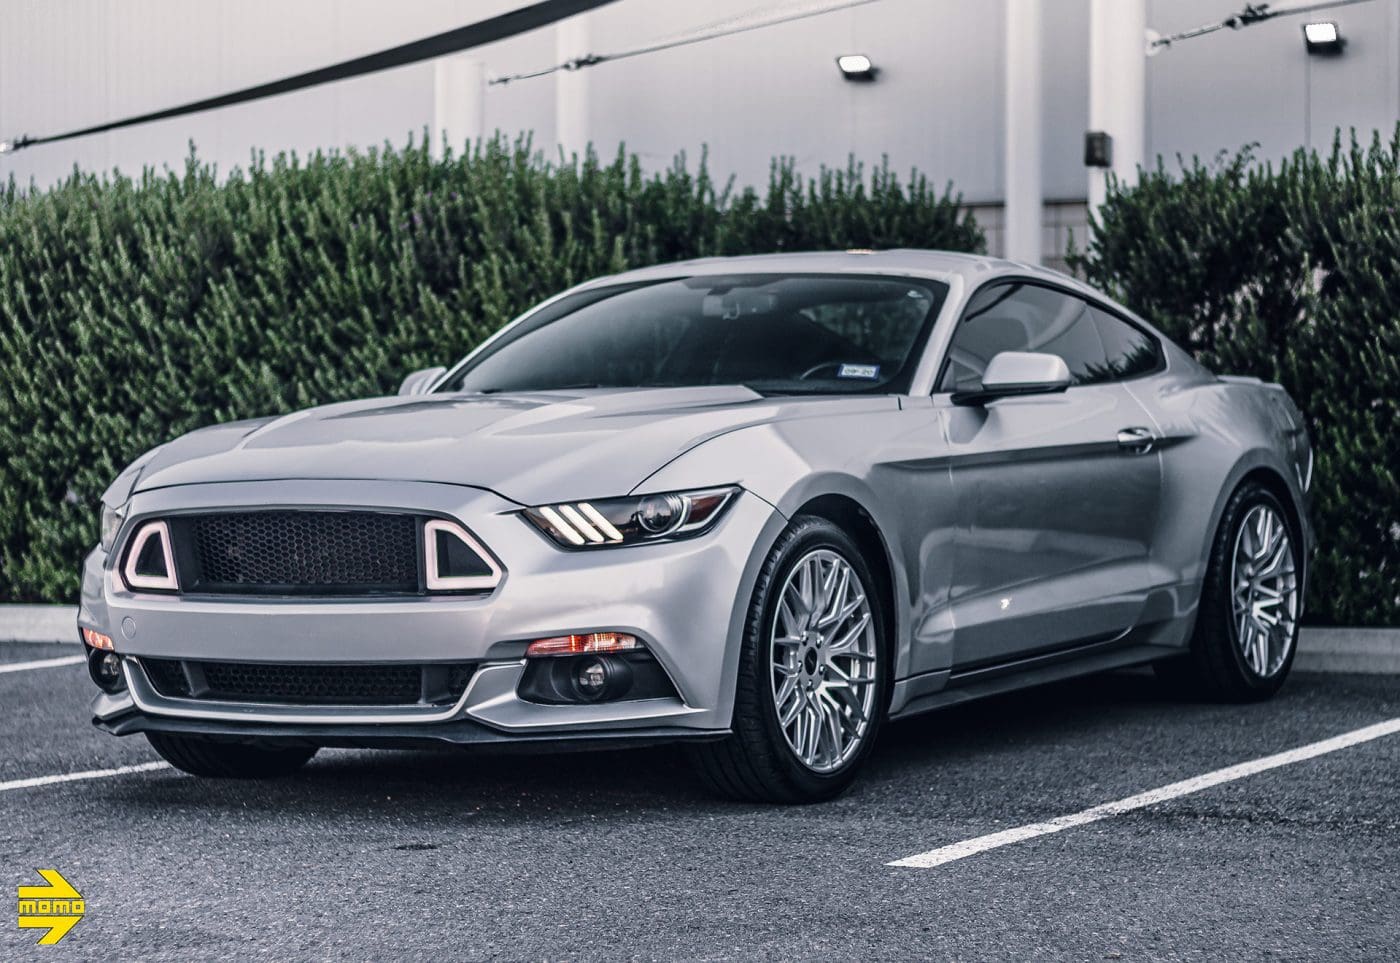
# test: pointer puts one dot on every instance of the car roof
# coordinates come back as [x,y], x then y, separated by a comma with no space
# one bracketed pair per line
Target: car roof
[974,269]
[936,265]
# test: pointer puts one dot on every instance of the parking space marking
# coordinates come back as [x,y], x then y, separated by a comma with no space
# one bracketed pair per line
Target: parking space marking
[40,664]
[981,844]
[35,781]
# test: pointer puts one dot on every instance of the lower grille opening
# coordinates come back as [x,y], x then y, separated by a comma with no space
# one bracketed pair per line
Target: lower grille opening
[295,684]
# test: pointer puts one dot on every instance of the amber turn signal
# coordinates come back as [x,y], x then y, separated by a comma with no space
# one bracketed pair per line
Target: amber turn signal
[590,643]
[97,640]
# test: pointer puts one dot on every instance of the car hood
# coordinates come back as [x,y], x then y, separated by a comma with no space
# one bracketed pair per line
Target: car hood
[530,448]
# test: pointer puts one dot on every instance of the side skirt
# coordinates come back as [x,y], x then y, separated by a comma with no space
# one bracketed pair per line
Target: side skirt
[938,690]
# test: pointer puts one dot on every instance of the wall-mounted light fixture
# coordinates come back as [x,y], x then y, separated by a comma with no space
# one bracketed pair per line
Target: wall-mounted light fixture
[856,67]
[1098,149]
[1323,38]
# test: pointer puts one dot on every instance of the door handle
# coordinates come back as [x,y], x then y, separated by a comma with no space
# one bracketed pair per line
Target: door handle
[1139,441]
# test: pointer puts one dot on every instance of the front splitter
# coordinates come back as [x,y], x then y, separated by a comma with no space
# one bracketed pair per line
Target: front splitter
[463,732]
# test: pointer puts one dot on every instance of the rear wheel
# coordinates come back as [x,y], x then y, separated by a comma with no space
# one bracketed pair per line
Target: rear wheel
[813,681]
[228,760]
[1247,626]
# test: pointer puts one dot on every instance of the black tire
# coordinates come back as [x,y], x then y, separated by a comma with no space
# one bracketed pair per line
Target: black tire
[228,760]
[755,763]
[1214,668]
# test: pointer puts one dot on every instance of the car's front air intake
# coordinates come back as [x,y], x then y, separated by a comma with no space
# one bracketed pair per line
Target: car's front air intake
[309,684]
[298,552]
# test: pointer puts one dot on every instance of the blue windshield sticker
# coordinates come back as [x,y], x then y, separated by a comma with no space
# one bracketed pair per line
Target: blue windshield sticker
[867,371]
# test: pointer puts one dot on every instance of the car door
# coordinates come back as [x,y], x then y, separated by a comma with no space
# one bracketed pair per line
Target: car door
[1057,494]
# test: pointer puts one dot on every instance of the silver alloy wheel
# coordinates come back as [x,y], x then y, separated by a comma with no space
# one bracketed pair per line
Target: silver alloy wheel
[1264,590]
[824,662]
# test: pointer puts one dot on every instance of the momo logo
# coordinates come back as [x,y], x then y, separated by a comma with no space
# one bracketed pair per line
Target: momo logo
[56,907]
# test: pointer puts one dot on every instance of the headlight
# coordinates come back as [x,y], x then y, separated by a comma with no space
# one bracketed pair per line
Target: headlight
[111,523]
[608,522]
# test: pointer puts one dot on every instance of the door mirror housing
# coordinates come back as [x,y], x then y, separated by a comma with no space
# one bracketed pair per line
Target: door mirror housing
[420,381]
[1014,373]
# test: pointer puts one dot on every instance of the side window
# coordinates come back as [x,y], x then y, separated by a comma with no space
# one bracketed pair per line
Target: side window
[1023,317]
[1129,351]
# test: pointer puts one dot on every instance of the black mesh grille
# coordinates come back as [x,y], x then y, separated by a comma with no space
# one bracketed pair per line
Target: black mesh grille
[295,684]
[300,684]
[298,552]
[168,676]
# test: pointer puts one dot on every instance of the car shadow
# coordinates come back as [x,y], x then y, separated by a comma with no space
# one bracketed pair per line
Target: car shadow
[444,788]
[1042,710]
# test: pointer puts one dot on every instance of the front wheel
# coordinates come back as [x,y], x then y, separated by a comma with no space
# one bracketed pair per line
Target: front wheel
[1247,623]
[228,760]
[813,673]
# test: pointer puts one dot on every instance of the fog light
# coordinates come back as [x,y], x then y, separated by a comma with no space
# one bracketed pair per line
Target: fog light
[105,669]
[582,644]
[601,677]
[591,678]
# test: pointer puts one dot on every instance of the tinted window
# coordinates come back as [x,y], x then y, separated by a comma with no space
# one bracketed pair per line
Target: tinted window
[1129,351]
[1023,317]
[774,333]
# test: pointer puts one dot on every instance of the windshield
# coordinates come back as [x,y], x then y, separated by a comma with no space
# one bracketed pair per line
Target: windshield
[791,334]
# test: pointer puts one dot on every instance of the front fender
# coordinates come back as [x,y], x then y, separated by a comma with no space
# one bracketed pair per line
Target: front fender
[778,464]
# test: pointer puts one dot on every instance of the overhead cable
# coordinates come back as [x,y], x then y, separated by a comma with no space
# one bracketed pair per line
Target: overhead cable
[490,30]
[1251,14]
[756,20]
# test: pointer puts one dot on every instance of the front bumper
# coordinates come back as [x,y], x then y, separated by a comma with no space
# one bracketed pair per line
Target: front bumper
[686,600]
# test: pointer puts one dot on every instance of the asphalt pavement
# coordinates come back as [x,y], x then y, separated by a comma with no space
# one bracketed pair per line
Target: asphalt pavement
[443,855]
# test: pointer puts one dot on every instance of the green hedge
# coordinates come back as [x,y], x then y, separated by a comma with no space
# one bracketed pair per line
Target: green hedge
[1290,273]
[134,310]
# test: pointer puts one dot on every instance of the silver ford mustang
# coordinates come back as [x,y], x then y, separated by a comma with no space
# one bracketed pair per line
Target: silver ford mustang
[756,505]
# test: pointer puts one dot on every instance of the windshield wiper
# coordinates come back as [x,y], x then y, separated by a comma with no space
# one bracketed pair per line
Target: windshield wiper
[581,386]
[769,391]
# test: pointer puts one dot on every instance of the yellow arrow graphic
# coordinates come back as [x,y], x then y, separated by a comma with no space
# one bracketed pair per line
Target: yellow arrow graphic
[58,888]
[56,907]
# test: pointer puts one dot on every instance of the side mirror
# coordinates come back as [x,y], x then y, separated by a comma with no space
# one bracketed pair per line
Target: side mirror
[1013,373]
[419,382]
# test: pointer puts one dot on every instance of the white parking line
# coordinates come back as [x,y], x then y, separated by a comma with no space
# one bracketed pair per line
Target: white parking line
[35,781]
[981,844]
[40,664]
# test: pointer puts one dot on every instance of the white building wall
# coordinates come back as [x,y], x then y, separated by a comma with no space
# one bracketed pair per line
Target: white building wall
[937,104]
[1259,85]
